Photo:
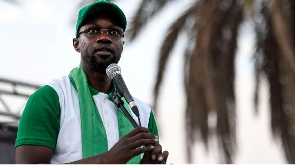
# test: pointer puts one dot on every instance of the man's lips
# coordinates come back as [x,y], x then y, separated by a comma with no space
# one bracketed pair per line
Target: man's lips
[104,50]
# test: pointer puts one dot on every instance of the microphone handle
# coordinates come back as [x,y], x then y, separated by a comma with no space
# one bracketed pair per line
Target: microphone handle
[119,103]
[135,125]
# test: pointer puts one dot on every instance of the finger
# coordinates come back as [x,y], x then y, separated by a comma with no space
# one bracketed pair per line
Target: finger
[163,157]
[157,151]
[144,136]
[141,150]
[136,131]
[144,143]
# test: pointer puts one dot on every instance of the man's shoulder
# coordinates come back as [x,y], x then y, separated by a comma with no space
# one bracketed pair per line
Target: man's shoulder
[59,81]
[62,86]
[43,91]
[56,86]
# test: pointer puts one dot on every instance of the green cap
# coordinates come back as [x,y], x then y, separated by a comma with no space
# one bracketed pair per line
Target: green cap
[104,7]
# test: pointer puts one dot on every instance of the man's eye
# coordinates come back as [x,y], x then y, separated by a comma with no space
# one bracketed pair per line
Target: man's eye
[113,32]
[93,31]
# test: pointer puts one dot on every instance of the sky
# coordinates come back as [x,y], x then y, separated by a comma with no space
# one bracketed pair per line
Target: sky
[36,47]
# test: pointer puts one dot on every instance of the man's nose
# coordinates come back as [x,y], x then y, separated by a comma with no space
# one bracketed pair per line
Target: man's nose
[103,37]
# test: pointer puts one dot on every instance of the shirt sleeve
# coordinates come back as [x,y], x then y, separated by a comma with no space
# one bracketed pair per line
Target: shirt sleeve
[40,120]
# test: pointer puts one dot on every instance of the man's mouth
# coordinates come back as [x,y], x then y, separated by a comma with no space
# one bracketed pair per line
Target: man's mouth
[104,50]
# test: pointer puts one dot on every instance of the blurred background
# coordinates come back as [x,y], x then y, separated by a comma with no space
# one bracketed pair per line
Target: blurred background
[219,74]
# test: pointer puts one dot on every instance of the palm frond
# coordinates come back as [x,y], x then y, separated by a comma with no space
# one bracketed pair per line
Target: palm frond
[224,84]
[282,30]
[167,46]
[145,12]
[190,124]
[271,62]
[220,61]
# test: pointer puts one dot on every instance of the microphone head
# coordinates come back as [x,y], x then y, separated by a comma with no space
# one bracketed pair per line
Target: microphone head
[112,70]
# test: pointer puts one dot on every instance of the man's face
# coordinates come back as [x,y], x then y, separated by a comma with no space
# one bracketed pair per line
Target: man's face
[98,50]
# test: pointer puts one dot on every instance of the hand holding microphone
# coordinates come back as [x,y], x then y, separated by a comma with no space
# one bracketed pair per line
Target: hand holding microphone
[113,71]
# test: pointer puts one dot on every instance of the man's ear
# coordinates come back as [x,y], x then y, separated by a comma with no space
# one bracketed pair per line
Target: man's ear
[76,44]
[123,42]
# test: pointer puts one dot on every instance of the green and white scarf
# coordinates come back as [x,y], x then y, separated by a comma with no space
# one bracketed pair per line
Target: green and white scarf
[94,138]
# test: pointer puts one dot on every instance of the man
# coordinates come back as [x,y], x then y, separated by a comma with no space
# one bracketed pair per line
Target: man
[73,119]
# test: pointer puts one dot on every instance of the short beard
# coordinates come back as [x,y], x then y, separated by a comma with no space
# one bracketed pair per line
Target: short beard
[98,66]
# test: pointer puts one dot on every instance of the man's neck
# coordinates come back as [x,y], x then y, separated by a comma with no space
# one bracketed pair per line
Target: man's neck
[99,81]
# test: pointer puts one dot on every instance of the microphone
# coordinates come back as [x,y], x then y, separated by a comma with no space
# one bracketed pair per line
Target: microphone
[113,71]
